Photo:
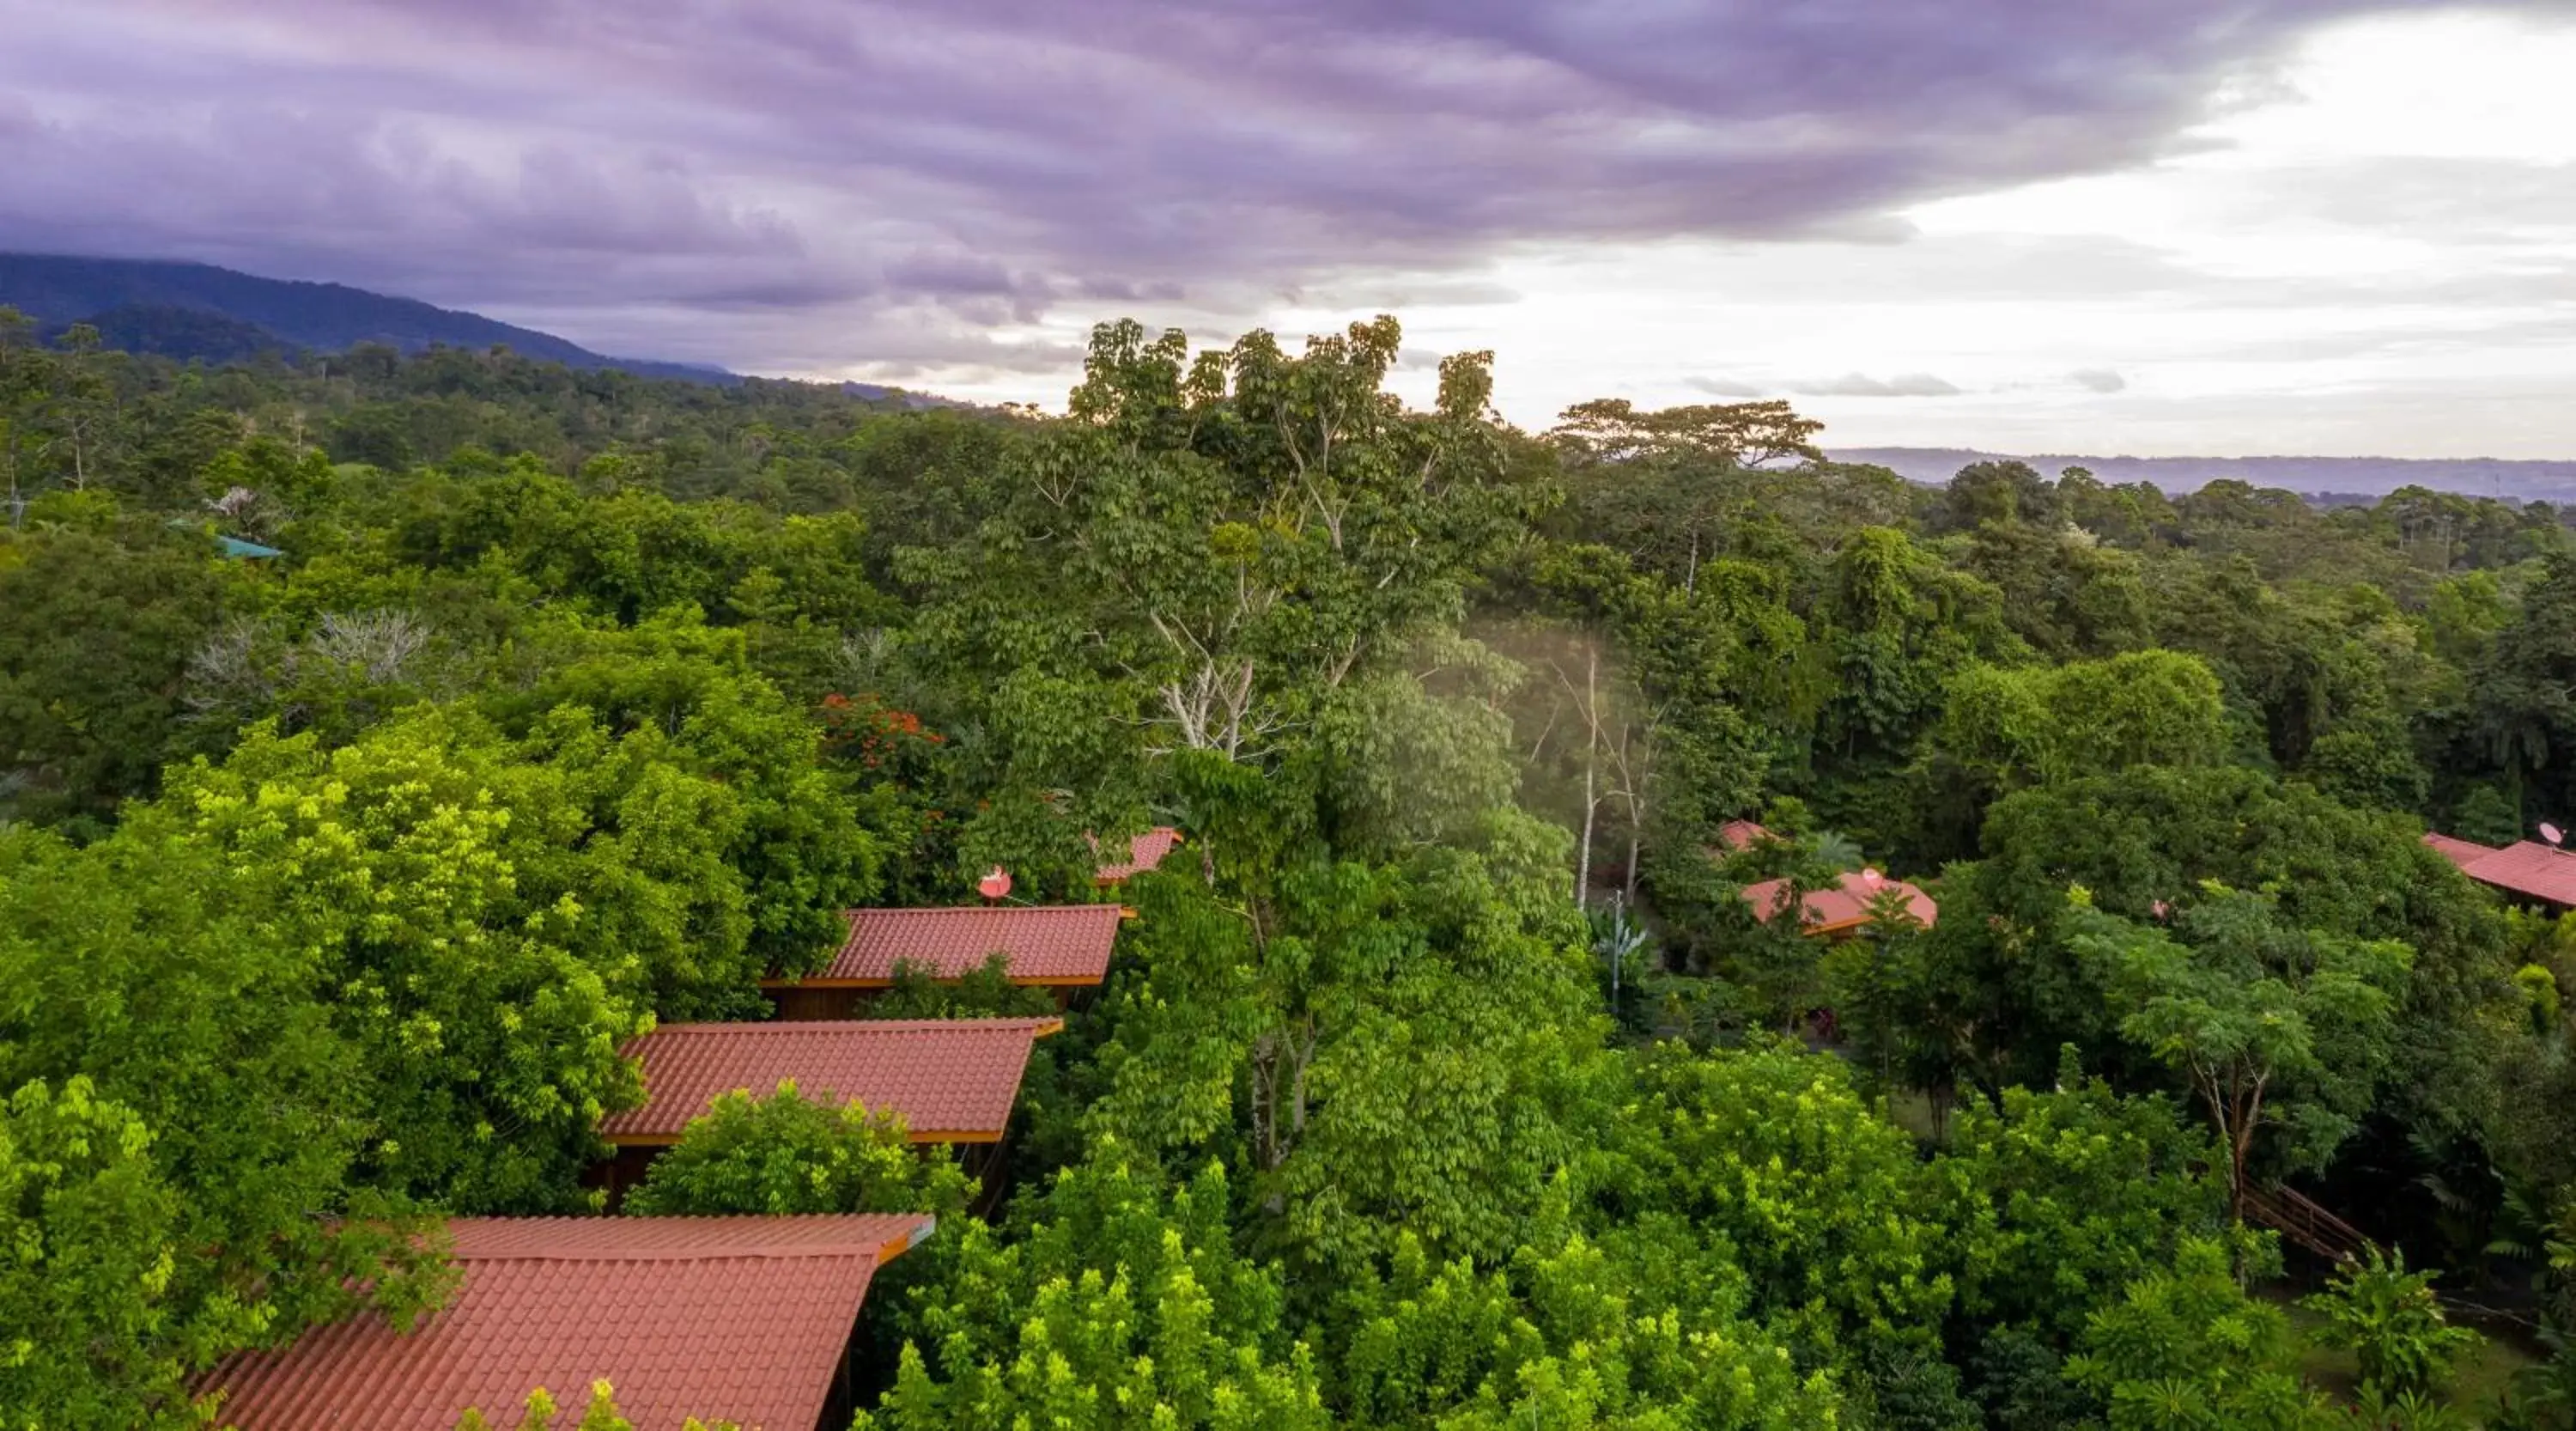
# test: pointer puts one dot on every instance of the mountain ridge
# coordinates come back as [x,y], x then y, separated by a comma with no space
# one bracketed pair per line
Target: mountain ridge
[184,309]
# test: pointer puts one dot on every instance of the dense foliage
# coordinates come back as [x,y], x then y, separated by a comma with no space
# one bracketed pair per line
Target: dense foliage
[1446,1080]
[784,1154]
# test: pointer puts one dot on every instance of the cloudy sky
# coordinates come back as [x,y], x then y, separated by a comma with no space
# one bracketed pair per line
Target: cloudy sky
[2146,226]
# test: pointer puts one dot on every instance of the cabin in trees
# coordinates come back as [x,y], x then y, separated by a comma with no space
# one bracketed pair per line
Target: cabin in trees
[1843,910]
[1838,912]
[1061,947]
[951,1080]
[1144,852]
[749,1319]
[1737,836]
[2527,870]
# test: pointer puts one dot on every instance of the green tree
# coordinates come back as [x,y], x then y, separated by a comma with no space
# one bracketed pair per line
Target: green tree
[2393,1323]
[96,632]
[540,1410]
[1899,625]
[1202,558]
[983,992]
[1411,1045]
[475,931]
[2524,713]
[679,699]
[1567,1337]
[2062,1198]
[2185,1349]
[2064,592]
[2148,843]
[1822,1202]
[2269,1026]
[2007,729]
[87,1321]
[204,1132]
[1117,1303]
[785,1154]
[2039,724]
[1669,487]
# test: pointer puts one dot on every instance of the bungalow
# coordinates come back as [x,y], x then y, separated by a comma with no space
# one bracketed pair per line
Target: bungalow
[2462,853]
[1144,852]
[2528,870]
[1737,836]
[952,1080]
[1063,947]
[1835,913]
[749,1319]
[1843,910]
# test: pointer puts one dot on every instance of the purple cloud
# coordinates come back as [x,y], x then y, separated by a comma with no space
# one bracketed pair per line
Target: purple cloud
[887,181]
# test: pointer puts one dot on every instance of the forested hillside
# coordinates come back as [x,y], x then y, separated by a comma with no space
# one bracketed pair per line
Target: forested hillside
[1447,1078]
[195,310]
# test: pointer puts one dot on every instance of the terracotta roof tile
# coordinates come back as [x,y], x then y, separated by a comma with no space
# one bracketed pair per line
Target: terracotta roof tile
[2543,872]
[1046,944]
[737,1317]
[1843,907]
[1144,853]
[1740,835]
[953,1080]
[2462,853]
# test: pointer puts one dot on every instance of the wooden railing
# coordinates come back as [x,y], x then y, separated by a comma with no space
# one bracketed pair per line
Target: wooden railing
[2299,1219]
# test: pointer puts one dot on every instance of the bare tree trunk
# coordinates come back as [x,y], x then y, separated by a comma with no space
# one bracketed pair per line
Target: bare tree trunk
[1591,759]
[1633,776]
[1636,829]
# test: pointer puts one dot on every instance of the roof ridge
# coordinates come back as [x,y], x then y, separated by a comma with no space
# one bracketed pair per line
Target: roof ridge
[921,909]
[752,1251]
[848,1026]
[881,1236]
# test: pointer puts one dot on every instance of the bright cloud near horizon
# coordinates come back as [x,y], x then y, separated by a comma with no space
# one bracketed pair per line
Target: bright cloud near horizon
[2159,227]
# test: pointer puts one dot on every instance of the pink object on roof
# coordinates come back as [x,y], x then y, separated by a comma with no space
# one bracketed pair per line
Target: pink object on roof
[2531,869]
[953,1080]
[744,1318]
[1046,944]
[1144,852]
[1741,835]
[1846,906]
[2462,853]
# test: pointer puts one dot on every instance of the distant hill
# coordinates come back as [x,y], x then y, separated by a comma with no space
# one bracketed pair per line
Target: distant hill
[195,310]
[180,333]
[2373,477]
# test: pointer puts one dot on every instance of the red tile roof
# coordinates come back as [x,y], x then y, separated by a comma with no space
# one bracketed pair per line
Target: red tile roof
[2529,868]
[1740,835]
[1829,911]
[1046,944]
[738,1317]
[1144,852]
[2463,853]
[953,1080]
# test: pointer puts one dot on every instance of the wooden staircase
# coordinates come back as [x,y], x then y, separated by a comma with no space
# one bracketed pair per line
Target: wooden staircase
[2300,1220]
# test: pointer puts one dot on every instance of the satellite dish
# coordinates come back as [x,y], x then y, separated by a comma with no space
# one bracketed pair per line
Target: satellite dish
[1872,878]
[2552,833]
[995,884]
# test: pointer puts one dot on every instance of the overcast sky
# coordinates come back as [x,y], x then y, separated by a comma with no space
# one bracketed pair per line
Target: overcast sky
[2147,226]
